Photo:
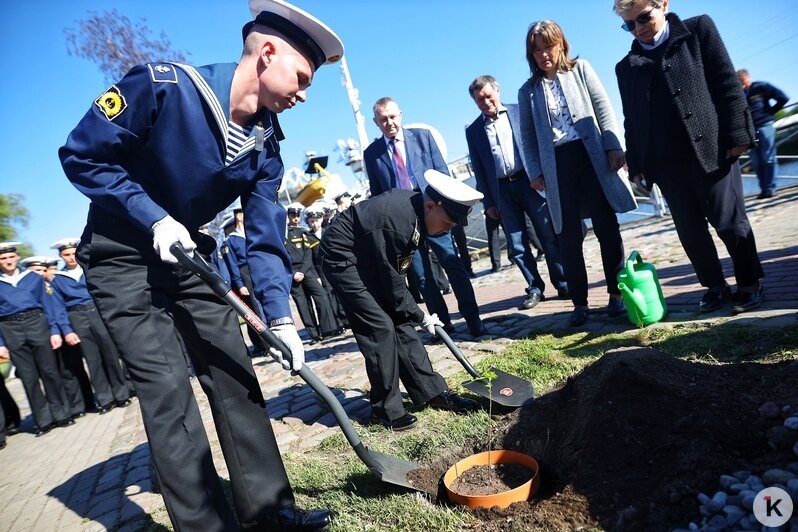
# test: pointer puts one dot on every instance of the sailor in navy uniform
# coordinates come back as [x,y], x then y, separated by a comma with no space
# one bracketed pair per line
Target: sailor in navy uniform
[30,334]
[96,345]
[365,255]
[164,150]
[307,292]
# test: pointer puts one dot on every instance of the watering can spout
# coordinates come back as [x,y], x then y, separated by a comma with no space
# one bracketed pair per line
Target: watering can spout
[635,298]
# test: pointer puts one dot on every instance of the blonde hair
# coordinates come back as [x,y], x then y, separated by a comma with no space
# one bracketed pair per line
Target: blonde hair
[552,35]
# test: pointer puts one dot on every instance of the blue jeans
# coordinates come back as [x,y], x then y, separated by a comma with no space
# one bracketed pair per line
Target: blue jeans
[518,198]
[763,157]
[443,247]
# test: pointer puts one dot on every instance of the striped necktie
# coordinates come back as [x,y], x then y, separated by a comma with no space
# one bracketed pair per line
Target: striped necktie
[401,170]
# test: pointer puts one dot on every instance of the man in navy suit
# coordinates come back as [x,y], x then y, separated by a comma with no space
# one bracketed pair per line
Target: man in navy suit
[417,153]
[502,180]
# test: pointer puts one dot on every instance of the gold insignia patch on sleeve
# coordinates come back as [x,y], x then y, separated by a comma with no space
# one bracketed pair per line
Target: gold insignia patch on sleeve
[403,263]
[111,103]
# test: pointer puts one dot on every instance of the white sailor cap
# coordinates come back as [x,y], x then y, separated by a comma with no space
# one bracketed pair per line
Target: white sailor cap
[309,34]
[9,247]
[455,197]
[65,243]
[227,221]
[315,210]
[37,260]
[295,208]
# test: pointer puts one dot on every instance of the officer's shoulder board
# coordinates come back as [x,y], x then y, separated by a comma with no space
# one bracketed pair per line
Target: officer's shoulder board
[162,72]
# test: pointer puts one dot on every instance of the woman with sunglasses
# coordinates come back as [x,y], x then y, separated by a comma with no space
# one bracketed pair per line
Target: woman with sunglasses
[571,148]
[687,121]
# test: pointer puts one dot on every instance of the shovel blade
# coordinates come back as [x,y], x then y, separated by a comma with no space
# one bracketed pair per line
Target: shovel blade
[388,468]
[506,389]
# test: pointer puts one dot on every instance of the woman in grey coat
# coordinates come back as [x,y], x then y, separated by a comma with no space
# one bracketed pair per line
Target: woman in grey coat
[571,149]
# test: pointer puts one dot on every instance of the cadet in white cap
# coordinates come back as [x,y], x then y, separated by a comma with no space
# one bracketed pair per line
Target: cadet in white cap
[107,376]
[365,255]
[145,196]
[30,332]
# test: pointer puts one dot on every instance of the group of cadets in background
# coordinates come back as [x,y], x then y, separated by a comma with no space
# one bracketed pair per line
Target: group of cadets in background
[50,326]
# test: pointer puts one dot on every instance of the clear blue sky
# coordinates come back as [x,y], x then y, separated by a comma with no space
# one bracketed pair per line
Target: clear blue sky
[423,53]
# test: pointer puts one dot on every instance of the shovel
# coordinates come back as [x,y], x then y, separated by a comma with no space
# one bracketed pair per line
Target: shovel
[387,468]
[506,389]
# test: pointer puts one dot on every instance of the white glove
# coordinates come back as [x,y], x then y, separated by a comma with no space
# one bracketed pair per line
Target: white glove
[287,333]
[166,232]
[430,321]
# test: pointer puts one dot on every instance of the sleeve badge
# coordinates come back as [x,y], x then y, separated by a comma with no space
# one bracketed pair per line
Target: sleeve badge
[111,103]
[403,263]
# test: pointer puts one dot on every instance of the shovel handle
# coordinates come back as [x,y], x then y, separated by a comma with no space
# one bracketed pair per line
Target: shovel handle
[457,353]
[205,272]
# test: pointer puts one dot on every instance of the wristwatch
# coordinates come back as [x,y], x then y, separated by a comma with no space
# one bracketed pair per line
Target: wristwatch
[281,321]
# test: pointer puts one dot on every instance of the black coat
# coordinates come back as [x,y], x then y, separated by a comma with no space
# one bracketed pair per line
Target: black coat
[704,90]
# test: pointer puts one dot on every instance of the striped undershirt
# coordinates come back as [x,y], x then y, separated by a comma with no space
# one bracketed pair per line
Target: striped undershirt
[236,137]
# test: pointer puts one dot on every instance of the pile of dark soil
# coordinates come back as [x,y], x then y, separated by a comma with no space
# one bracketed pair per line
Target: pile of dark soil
[629,442]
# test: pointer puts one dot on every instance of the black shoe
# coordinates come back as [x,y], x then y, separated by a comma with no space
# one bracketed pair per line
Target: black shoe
[748,299]
[2,444]
[405,422]
[766,194]
[104,409]
[448,328]
[715,298]
[123,404]
[79,414]
[476,327]
[11,429]
[447,290]
[448,400]
[495,269]
[41,431]
[563,293]
[65,422]
[541,256]
[292,518]
[472,275]
[579,316]
[615,307]
[531,300]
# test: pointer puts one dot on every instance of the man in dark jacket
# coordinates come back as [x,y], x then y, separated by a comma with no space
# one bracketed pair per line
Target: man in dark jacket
[365,255]
[760,94]
[687,122]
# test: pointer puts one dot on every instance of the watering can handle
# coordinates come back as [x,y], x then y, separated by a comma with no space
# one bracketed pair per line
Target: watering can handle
[634,256]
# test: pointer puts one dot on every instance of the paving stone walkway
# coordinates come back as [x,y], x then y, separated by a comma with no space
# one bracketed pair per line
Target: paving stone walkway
[96,475]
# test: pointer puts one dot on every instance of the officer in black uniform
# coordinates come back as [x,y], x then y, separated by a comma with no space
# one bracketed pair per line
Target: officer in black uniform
[307,292]
[159,154]
[365,255]
[30,333]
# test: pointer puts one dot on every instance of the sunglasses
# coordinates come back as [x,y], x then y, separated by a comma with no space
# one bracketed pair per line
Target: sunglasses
[642,18]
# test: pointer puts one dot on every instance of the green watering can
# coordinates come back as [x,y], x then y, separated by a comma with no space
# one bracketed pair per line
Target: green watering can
[641,291]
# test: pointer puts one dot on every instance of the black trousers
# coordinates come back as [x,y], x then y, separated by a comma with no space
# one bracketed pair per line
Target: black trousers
[101,354]
[77,385]
[313,306]
[492,228]
[28,341]
[697,200]
[461,243]
[9,411]
[392,348]
[142,301]
[581,193]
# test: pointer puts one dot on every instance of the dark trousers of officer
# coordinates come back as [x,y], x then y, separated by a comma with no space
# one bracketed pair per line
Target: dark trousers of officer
[307,295]
[694,198]
[392,349]
[142,300]
[492,227]
[100,353]
[461,243]
[10,415]
[581,193]
[28,340]
[77,385]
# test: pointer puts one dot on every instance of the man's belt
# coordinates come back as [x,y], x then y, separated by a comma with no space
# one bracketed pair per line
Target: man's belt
[518,175]
[80,308]
[24,315]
